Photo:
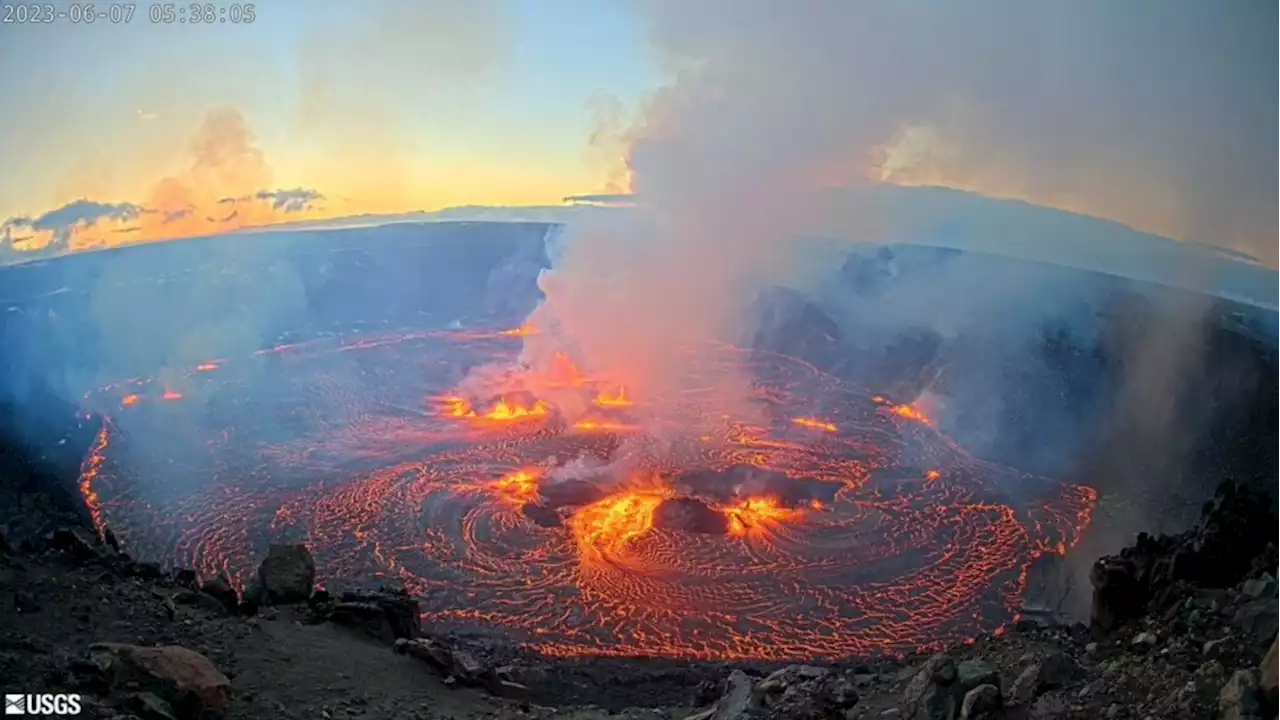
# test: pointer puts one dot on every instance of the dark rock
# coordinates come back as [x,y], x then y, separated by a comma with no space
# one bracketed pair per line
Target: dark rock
[220,589]
[1259,621]
[1221,551]
[1055,670]
[109,539]
[981,701]
[689,515]
[196,598]
[1261,587]
[972,673]
[791,323]
[76,543]
[252,598]
[147,570]
[25,602]
[400,612]
[1219,649]
[806,691]
[739,701]
[1050,707]
[931,694]
[1268,683]
[151,707]
[186,680]
[1239,697]
[365,617]
[541,515]
[288,574]
[569,493]
[466,663]
[1117,595]
[184,577]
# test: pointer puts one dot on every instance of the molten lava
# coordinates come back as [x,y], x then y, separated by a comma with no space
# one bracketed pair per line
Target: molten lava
[604,528]
[758,513]
[520,486]
[502,410]
[815,424]
[791,538]
[614,400]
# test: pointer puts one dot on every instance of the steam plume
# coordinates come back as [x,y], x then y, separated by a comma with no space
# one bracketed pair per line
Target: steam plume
[1161,122]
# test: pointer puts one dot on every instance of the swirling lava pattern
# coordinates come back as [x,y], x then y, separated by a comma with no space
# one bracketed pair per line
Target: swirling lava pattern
[894,538]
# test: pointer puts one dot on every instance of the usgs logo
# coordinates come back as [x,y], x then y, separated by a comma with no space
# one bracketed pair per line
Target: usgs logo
[45,704]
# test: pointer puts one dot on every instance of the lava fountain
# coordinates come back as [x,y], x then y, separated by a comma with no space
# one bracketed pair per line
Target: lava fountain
[841,524]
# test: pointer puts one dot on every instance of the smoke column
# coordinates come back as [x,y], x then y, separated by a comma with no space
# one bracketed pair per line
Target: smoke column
[1148,113]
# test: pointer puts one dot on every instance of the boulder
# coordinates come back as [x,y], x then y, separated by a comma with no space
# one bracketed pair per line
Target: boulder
[739,701]
[465,661]
[184,679]
[1268,672]
[932,692]
[1117,595]
[1259,621]
[1260,587]
[973,673]
[1052,671]
[220,589]
[75,542]
[288,575]
[184,577]
[1239,697]
[196,598]
[806,691]
[389,613]
[252,598]
[981,701]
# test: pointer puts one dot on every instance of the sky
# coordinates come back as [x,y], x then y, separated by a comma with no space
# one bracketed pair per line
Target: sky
[1157,114]
[379,106]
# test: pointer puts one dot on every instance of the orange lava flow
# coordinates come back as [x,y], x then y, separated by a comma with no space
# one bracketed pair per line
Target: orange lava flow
[500,411]
[89,472]
[815,424]
[603,529]
[758,513]
[788,538]
[520,486]
[617,399]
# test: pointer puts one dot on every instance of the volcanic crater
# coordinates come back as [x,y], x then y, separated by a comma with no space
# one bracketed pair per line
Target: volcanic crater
[835,522]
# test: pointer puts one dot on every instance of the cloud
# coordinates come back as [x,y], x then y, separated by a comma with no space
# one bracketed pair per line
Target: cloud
[602,198]
[290,201]
[54,229]
[226,184]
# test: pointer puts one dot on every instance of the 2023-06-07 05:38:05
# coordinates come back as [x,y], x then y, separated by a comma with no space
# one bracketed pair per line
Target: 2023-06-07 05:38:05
[126,13]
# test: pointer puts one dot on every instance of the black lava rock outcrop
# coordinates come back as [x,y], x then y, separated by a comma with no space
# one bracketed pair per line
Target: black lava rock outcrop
[388,613]
[689,515]
[288,575]
[1233,541]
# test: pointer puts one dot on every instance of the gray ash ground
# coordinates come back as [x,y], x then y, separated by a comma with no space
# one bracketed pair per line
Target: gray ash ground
[1185,644]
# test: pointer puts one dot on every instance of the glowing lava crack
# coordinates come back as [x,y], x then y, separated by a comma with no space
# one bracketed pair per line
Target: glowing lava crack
[845,525]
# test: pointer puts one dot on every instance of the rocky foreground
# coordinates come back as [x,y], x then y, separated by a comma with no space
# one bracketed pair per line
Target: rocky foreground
[1182,627]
